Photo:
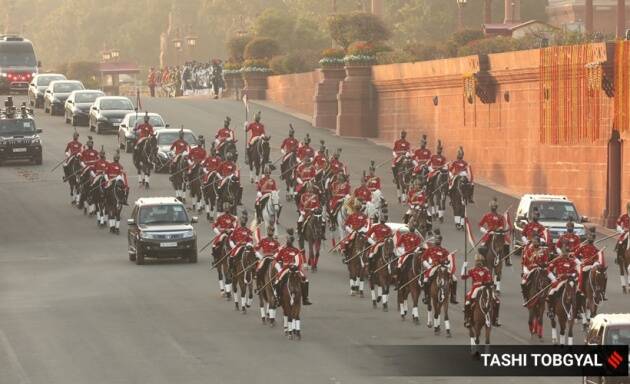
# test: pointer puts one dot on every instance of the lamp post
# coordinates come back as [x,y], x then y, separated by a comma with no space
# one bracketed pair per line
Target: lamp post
[114,54]
[106,56]
[177,43]
[191,43]
[460,13]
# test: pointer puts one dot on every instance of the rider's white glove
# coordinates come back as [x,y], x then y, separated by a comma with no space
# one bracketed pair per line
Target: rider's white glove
[259,194]
[619,229]
[216,231]
[426,264]
[371,241]
[399,251]
[483,229]
[551,276]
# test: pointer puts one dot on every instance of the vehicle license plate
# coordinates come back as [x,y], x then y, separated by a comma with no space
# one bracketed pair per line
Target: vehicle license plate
[19,149]
[168,245]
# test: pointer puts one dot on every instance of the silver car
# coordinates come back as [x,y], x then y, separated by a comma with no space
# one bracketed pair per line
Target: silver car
[126,130]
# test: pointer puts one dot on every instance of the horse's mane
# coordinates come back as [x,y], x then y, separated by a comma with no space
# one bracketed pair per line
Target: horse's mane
[348,205]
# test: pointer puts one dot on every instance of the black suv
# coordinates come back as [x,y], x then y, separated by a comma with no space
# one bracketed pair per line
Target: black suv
[19,138]
[159,227]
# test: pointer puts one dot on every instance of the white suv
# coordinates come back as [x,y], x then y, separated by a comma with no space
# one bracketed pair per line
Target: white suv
[608,329]
[555,211]
[126,134]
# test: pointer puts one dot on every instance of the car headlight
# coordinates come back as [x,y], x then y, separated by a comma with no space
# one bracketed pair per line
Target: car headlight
[3,74]
[147,235]
[188,234]
[36,140]
[102,119]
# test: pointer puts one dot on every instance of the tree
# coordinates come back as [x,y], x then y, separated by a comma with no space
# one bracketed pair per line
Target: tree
[262,48]
[357,26]
[236,46]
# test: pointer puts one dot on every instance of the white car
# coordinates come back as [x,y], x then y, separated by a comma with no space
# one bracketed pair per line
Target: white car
[56,94]
[38,86]
[126,134]
[165,138]
[555,211]
[608,329]
[77,107]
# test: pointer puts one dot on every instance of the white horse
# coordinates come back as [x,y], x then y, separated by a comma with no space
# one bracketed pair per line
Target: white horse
[340,219]
[375,207]
[271,211]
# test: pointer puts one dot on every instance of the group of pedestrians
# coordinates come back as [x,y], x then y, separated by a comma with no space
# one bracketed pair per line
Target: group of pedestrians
[188,79]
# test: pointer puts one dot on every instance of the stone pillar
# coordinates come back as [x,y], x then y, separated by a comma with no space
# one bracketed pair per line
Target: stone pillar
[588,16]
[621,19]
[356,103]
[509,13]
[255,85]
[326,105]
[487,11]
[613,185]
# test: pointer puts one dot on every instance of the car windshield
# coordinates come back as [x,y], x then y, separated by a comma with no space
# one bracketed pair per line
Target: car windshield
[13,127]
[167,138]
[618,336]
[556,210]
[86,97]
[44,81]
[163,214]
[116,104]
[154,120]
[17,55]
[66,87]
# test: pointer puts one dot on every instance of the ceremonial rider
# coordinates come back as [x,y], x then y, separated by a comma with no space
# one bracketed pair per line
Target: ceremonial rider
[408,241]
[401,149]
[460,167]
[362,193]
[287,258]
[227,170]
[623,244]
[87,157]
[320,161]
[241,236]
[480,276]
[376,236]
[305,173]
[289,147]
[180,147]
[256,130]
[224,135]
[309,203]
[305,151]
[339,190]
[144,130]
[416,199]
[73,148]
[534,258]
[569,237]
[491,223]
[432,258]
[357,222]
[590,257]
[265,186]
[266,248]
[421,157]
[533,227]
[336,166]
[223,227]
[372,182]
[560,269]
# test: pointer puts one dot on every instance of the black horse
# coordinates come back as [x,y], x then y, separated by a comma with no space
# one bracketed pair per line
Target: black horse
[115,198]
[71,171]
[258,156]
[145,158]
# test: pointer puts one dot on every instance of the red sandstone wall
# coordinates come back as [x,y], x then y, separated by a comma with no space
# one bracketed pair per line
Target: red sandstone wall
[501,140]
[295,91]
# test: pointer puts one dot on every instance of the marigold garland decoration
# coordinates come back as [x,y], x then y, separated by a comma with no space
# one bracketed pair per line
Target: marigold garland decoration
[570,95]
[622,85]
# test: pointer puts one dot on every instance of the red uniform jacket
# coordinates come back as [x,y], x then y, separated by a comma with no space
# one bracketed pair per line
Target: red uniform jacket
[305,151]
[588,254]
[306,172]
[458,166]
[89,156]
[363,194]
[437,161]
[416,197]
[227,168]
[290,144]
[479,277]
[338,192]
[289,256]
[422,156]
[320,162]
[100,166]
[337,166]
[197,154]
[533,227]
[309,202]
[357,221]
[114,170]
[409,242]
[571,239]
[255,130]
[223,135]
[226,222]
[534,257]
[241,236]
[491,222]
[401,147]
[379,232]
[74,147]
[144,130]
[435,255]
[562,266]
[211,164]
[624,222]
[266,184]
[268,246]
[373,183]
[180,146]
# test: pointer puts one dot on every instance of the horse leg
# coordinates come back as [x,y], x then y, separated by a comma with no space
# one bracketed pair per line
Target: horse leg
[221,282]
[563,335]
[318,246]
[415,296]
[290,328]
[437,319]
[384,289]
[570,331]
[361,285]
[554,332]
[447,324]
[401,304]
[373,293]
[243,288]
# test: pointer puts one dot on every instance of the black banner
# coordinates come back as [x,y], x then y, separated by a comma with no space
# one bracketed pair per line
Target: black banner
[498,360]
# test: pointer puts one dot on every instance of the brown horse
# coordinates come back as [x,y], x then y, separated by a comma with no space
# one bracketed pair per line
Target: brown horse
[421,220]
[356,263]
[439,294]
[594,283]
[403,177]
[495,256]
[264,286]
[313,235]
[538,285]
[564,307]
[244,265]
[408,283]
[291,302]
[220,254]
[380,272]
[210,191]
[460,194]
[623,261]
[483,313]
[287,168]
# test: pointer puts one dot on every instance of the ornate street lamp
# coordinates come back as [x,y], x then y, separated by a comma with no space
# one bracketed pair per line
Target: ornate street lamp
[191,41]
[106,56]
[115,54]
[178,44]
[460,16]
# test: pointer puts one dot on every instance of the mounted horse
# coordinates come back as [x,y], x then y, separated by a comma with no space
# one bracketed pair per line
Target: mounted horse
[408,277]
[194,180]
[404,175]
[244,264]
[228,146]
[439,294]
[437,190]
[338,216]
[291,302]
[495,255]
[287,168]
[537,288]
[381,274]
[220,254]
[265,275]
[312,233]
[623,261]
[375,207]
[483,313]
[178,177]
[356,262]
[229,193]
[564,307]
[421,220]
[145,158]
[115,198]
[258,156]
[460,192]
[271,209]
[71,172]
[594,282]
[210,192]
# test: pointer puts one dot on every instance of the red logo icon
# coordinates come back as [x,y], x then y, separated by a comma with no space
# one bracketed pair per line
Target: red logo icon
[615,359]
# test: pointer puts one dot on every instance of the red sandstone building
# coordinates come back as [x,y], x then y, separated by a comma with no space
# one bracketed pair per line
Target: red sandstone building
[571,14]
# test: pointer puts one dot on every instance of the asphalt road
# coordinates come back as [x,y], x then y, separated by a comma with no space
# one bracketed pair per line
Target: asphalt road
[73,309]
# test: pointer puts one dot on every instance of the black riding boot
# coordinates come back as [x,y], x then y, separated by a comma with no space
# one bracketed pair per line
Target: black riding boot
[425,298]
[508,260]
[524,292]
[299,227]
[472,193]
[467,315]
[323,231]
[454,293]
[495,320]
[258,213]
[239,198]
[276,293]
[305,300]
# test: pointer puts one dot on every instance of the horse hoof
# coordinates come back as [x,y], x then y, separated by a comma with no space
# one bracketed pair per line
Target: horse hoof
[374,304]
[624,289]
[436,331]
[243,310]
[361,295]
[385,309]
[448,334]
[298,336]
[236,308]
[402,317]
[416,321]
[290,336]
[272,323]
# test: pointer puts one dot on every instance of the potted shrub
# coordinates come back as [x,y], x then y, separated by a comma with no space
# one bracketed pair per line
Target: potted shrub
[255,72]
[332,58]
[232,75]
[360,53]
